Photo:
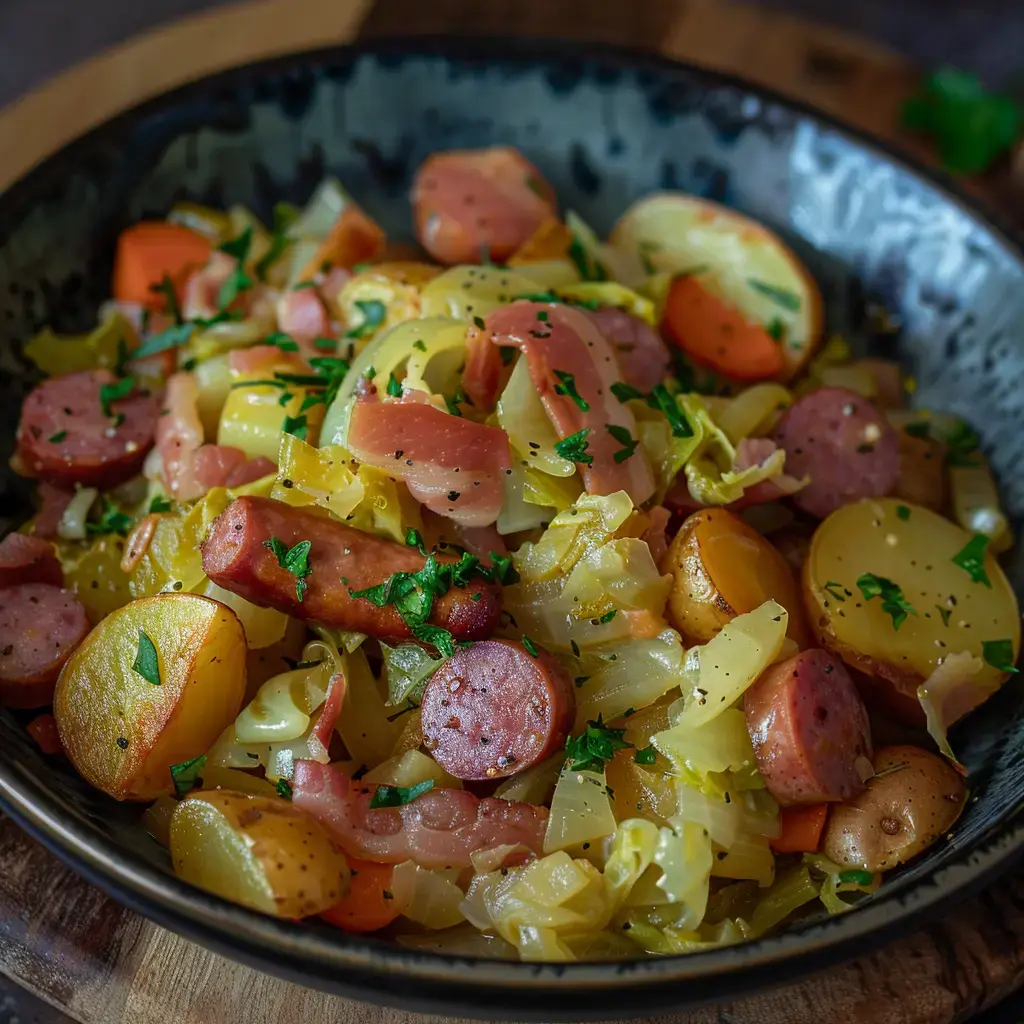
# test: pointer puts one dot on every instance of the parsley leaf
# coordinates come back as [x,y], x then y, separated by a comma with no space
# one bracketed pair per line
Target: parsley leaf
[503,570]
[238,281]
[374,313]
[436,635]
[944,614]
[646,756]
[185,776]
[567,387]
[552,298]
[589,752]
[111,520]
[147,661]
[902,512]
[999,654]
[624,392]
[893,601]
[394,387]
[283,341]
[663,400]
[835,589]
[589,267]
[456,400]
[295,560]
[414,539]
[115,392]
[607,617]
[531,647]
[159,504]
[962,442]
[780,296]
[623,436]
[574,447]
[58,437]
[398,796]
[170,337]
[167,290]
[284,789]
[972,559]
[297,426]
[284,216]
[776,329]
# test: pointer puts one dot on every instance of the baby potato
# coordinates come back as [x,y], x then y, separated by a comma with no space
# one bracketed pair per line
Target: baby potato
[913,549]
[259,851]
[721,568]
[922,478]
[914,797]
[123,728]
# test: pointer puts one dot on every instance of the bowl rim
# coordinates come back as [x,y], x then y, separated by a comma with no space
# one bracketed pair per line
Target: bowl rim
[366,968]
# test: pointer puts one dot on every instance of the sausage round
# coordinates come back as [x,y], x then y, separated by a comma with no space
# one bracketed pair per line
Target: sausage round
[844,444]
[494,709]
[469,201]
[809,730]
[40,626]
[639,349]
[65,437]
[341,560]
[28,559]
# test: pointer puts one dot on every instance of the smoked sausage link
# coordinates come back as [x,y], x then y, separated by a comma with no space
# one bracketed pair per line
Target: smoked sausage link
[493,709]
[40,625]
[341,559]
[28,559]
[809,730]
[844,444]
[66,436]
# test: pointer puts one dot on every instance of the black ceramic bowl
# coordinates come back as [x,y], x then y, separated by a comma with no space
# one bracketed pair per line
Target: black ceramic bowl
[605,127]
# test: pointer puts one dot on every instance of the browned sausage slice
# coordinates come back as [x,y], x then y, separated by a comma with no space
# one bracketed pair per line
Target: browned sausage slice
[494,709]
[40,626]
[844,444]
[66,437]
[341,560]
[809,729]
[28,559]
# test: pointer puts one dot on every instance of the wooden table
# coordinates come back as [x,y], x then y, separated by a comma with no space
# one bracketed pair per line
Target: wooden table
[99,963]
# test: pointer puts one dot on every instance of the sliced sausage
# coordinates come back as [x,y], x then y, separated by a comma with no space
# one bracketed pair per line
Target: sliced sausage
[639,349]
[809,730]
[844,444]
[40,625]
[468,202]
[65,436]
[494,709]
[341,560]
[28,559]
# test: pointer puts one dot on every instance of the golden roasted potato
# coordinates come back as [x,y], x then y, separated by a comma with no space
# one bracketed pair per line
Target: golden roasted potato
[904,553]
[259,851]
[93,574]
[721,568]
[914,797]
[153,685]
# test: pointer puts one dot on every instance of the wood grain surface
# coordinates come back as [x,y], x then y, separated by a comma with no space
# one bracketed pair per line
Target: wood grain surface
[101,964]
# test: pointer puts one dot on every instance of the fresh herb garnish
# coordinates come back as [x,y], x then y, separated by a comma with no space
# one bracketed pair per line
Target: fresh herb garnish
[301,286]
[780,296]
[663,400]
[623,436]
[776,329]
[283,341]
[420,345]
[325,344]
[185,776]
[607,617]
[147,661]
[414,539]
[574,447]
[111,520]
[238,281]
[646,756]
[531,647]
[479,323]
[295,560]
[971,558]
[170,337]
[567,386]
[159,504]
[284,216]
[167,290]
[624,392]
[961,443]
[589,267]
[902,512]
[115,392]
[835,589]
[552,298]
[589,752]
[297,426]
[919,428]
[394,387]
[284,789]
[855,876]
[374,313]
[58,437]
[508,354]
[999,654]
[893,601]
[452,403]
[944,614]
[398,796]
[502,569]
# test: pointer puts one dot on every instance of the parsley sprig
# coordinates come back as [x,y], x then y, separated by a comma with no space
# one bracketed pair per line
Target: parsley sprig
[596,746]
[893,601]
[398,796]
[574,447]
[971,558]
[624,437]
[294,559]
[567,386]
[661,399]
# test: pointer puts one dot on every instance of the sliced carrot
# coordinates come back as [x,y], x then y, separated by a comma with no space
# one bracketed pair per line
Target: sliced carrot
[354,238]
[148,251]
[801,829]
[368,906]
[716,334]
[551,241]
[43,729]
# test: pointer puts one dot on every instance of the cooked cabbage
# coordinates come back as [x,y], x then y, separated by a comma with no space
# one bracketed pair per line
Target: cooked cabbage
[581,811]
[101,348]
[976,505]
[407,668]
[530,433]
[534,785]
[283,705]
[364,720]
[430,898]
[754,411]
[949,692]
[465,292]
[409,769]
[685,857]
[75,516]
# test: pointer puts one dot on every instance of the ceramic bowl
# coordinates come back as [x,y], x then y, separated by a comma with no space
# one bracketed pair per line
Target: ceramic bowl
[605,127]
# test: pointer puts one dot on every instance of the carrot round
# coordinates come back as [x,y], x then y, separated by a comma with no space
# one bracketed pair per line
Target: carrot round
[148,251]
[716,334]
[369,905]
[801,829]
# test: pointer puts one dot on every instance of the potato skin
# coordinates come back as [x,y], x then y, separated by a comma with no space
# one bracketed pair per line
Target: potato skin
[721,567]
[922,478]
[259,851]
[122,732]
[915,797]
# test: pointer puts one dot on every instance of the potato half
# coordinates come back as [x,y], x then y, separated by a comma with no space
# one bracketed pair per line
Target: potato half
[259,851]
[913,548]
[721,568]
[122,731]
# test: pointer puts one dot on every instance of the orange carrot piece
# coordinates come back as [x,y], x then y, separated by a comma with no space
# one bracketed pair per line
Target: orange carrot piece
[353,238]
[801,829]
[366,908]
[148,251]
[551,241]
[716,334]
[43,729]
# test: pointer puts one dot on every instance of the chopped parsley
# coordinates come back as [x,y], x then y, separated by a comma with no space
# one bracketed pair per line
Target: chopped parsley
[531,647]
[374,313]
[452,403]
[961,443]
[902,512]
[58,437]
[855,876]
[301,286]
[646,756]
[171,337]
[420,345]
[185,776]
[567,386]
[297,426]
[589,267]
[607,617]
[115,392]
[508,354]
[398,796]
[167,290]
[999,654]
[238,281]
[283,341]
[597,745]
[664,401]
[552,298]
[776,329]
[503,571]
[111,520]
[479,323]
[159,504]
[835,589]
[624,437]
[780,296]
[624,392]
[972,559]
[284,216]
[295,560]
[394,387]
[893,601]
[414,539]
[284,789]
[919,428]
[944,614]
[325,344]
[574,447]
[147,661]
